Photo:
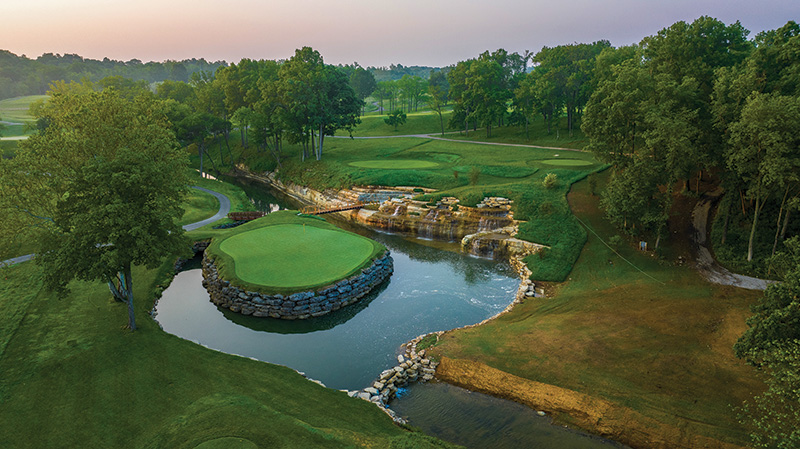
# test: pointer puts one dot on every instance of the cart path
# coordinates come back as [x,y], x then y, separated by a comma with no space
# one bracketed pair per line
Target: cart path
[224,208]
[476,142]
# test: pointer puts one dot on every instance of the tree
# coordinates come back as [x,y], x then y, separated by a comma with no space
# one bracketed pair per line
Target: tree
[765,149]
[363,83]
[772,343]
[96,191]
[317,99]
[395,118]
[437,92]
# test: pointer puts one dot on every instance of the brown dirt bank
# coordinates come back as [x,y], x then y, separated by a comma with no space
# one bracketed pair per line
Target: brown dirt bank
[595,415]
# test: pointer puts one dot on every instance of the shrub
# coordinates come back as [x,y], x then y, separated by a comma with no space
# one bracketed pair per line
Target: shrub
[474,175]
[550,181]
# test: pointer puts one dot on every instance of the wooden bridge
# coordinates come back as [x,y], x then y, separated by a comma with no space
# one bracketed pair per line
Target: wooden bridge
[316,210]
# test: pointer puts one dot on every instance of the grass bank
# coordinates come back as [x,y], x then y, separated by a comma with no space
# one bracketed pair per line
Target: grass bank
[641,332]
[64,357]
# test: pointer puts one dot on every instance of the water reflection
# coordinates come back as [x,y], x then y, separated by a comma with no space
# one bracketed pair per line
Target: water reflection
[477,420]
[322,323]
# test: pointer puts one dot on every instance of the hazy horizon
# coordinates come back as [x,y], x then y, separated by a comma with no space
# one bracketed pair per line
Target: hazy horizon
[371,33]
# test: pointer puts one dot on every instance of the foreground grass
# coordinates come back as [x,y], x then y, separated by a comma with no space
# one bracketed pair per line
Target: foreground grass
[658,341]
[73,377]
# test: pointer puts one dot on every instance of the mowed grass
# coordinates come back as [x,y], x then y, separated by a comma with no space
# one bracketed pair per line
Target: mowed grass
[295,256]
[395,164]
[16,109]
[73,377]
[566,162]
[198,206]
[423,122]
[286,253]
[658,340]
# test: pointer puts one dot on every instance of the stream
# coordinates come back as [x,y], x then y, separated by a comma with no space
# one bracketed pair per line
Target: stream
[434,287]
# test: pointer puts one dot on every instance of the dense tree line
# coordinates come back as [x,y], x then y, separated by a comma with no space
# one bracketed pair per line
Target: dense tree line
[20,75]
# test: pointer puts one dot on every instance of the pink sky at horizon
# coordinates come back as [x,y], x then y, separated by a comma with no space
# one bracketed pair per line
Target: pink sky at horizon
[414,32]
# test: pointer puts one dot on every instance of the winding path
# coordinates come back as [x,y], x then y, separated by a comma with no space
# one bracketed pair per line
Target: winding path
[224,208]
[706,265]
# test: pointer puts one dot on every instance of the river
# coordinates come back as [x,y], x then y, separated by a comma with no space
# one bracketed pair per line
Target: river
[434,287]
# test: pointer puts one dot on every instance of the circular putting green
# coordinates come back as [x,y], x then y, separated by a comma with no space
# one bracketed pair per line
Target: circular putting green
[395,164]
[295,255]
[567,162]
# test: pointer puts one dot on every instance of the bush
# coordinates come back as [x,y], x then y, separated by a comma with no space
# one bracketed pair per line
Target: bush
[474,175]
[550,181]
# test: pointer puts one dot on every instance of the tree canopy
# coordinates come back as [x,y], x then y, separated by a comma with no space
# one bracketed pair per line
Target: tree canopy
[97,190]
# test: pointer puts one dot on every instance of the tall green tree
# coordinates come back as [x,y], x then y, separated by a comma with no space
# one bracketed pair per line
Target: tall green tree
[772,343]
[317,100]
[765,150]
[438,94]
[97,191]
[363,83]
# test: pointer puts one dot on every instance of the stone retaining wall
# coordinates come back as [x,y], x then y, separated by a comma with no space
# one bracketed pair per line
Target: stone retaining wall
[300,305]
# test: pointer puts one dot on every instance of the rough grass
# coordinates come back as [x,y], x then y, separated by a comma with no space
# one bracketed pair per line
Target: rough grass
[286,253]
[657,340]
[295,255]
[69,367]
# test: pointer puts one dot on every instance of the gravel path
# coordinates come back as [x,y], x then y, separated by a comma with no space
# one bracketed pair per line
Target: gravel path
[706,264]
[224,208]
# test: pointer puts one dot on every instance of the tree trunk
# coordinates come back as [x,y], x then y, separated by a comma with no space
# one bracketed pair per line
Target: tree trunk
[725,223]
[321,141]
[778,224]
[759,205]
[128,291]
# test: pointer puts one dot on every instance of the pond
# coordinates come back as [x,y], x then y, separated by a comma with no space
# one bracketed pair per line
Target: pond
[434,287]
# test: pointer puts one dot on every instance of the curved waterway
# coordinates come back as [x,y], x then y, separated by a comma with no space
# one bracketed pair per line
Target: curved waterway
[433,287]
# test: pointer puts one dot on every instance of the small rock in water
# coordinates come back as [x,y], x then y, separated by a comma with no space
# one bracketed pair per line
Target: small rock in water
[400,358]
[541,413]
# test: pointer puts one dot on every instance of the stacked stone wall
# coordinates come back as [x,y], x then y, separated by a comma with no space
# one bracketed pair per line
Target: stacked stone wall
[301,305]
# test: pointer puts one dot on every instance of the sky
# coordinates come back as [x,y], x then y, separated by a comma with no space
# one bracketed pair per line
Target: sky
[371,32]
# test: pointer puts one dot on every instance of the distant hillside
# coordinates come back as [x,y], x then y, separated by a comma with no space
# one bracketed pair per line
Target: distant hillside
[20,75]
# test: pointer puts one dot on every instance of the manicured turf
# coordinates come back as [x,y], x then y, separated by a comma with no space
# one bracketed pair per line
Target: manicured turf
[566,162]
[286,253]
[294,255]
[394,164]
[16,109]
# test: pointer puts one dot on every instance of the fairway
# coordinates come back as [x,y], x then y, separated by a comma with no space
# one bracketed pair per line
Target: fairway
[396,164]
[566,162]
[294,255]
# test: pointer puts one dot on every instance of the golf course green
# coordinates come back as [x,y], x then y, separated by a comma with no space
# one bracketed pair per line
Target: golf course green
[284,252]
